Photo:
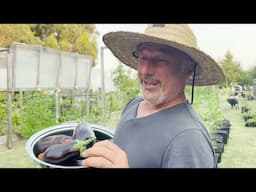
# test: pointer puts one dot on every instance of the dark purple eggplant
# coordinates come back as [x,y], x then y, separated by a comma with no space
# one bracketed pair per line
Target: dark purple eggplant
[67,152]
[83,131]
[60,153]
[48,141]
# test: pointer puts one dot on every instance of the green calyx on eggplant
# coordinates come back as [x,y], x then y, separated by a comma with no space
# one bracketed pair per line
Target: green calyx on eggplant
[83,131]
[67,152]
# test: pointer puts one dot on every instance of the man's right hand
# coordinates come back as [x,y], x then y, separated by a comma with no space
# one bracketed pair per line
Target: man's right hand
[105,154]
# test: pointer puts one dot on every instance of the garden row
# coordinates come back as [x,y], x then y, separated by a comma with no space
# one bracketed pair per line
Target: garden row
[248,116]
[220,138]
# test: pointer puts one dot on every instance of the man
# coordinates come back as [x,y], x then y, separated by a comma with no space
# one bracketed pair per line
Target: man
[159,129]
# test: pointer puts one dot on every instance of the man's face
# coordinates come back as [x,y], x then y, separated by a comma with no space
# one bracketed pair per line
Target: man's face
[159,75]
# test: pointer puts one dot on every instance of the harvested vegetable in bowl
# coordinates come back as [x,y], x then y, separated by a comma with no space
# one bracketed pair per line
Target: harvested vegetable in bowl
[67,153]
[77,133]
[48,141]
[63,149]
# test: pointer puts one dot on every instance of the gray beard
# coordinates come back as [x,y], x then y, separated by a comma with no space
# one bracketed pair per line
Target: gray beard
[161,99]
[157,101]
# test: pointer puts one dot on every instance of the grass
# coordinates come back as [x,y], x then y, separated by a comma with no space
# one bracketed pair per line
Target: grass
[239,152]
[16,157]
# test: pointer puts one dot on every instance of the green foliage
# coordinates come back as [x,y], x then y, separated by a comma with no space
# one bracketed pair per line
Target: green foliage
[37,113]
[3,119]
[65,45]
[245,79]
[69,111]
[95,111]
[69,32]
[206,103]
[234,73]
[42,30]
[51,41]
[3,113]
[252,73]
[113,101]
[33,111]
[85,46]
[91,29]
[79,38]
[126,83]
[10,33]
[231,69]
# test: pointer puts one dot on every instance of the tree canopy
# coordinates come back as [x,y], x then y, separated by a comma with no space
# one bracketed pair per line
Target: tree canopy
[22,33]
[80,38]
[234,73]
[231,69]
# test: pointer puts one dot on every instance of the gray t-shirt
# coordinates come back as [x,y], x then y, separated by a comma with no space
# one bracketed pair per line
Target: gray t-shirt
[171,138]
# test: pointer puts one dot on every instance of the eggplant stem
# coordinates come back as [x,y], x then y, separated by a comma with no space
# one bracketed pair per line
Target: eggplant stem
[82,145]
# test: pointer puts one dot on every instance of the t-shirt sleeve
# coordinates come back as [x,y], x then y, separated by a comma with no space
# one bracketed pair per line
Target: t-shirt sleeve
[189,149]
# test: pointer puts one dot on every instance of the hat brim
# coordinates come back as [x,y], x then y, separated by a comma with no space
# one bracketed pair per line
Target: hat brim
[123,44]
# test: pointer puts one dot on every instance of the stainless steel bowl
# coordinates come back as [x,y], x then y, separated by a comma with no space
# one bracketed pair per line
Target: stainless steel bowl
[101,133]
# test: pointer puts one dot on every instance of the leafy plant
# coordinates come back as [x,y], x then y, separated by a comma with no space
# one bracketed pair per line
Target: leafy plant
[126,83]
[206,103]
[3,113]
[37,113]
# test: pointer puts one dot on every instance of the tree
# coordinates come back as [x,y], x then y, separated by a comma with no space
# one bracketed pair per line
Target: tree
[248,76]
[252,73]
[51,41]
[65,45]
[10,33]
[42,30]
[80,38]
[84,45]
[245,79]
[231,69]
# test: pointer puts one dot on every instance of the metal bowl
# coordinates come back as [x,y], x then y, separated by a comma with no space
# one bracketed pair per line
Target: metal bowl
[101,133]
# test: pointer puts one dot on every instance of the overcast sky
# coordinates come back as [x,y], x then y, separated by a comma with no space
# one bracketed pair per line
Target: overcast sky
[213,39]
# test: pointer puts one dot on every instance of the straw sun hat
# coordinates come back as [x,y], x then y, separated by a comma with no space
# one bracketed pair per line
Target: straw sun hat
[178,36]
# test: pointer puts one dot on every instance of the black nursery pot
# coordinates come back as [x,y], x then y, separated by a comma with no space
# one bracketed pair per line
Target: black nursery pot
[101,133]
